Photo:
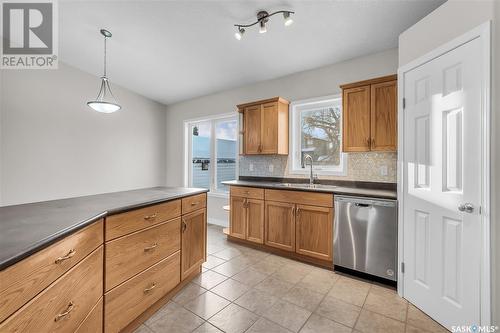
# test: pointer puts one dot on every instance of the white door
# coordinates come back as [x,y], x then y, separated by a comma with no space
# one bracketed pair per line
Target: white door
[442,186]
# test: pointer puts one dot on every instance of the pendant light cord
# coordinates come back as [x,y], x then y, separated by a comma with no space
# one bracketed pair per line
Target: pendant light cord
[105,55]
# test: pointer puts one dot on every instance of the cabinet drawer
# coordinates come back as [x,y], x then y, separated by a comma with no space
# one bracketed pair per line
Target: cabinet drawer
[300,197]
[190,204]
[247,192]
[131,254]
[125,223]
[124,303]
[64,304]
[24,280]
[93,322]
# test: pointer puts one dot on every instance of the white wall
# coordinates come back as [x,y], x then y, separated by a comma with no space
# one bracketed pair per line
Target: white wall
[317,82]
[53,146]
[451,20]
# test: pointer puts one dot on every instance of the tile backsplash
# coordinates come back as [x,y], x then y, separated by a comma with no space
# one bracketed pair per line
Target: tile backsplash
[360,166]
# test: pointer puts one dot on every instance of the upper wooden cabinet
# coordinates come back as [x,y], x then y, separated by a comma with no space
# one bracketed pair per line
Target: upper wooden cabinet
[265,127]
[370,115]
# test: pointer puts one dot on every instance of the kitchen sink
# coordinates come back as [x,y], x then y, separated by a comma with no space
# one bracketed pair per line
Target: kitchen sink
[299,185]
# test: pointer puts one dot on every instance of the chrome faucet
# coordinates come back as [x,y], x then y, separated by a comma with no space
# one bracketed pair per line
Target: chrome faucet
[311,176]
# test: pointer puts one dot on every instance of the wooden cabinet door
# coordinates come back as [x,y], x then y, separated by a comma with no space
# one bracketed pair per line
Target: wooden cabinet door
[356,119]
[193,230]
[314,231]
[252,123]
[280,225]
[269,128]
[255,220]
[384,116]
[238,219]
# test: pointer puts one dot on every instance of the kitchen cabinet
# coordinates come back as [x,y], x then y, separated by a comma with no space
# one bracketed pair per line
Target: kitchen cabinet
[110,275]
[314,227]
[193,242]
[237,227]
[370,115]
[384,116]
[280,225]
[264,127]
[255,220]
[247,214]
[297,224]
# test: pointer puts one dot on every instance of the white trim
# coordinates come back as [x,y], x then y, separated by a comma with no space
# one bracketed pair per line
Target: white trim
[295,138]
[484,33]
[213,149]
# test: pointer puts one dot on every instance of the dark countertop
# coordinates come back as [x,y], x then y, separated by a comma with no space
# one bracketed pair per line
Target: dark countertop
[364,189]
[28,228]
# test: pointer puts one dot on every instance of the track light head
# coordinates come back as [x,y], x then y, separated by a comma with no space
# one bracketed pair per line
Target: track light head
[263,28]
[239,34]
[288,19]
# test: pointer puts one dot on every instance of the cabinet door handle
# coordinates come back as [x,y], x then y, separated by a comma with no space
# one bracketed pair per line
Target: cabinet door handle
[373,143]
[68,310]
[184,225]
[150,217]
[150,248]
[293,210]
[298,211]
[368,142]
[149,289]
[70,254]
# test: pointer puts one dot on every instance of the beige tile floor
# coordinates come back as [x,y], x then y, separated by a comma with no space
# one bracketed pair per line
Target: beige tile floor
[245,290]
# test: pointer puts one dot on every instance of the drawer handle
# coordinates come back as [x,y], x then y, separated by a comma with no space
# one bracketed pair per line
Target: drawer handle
[62,315]
[150,248]
[149,289]
[184,225]
[70,254]
[150,217]
[194,203]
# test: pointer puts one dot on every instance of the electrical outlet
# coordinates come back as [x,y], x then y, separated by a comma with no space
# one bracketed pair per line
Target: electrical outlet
[271,168]
[250,167]
[383,170]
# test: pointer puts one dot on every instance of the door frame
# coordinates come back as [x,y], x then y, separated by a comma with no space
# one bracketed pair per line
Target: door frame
[483,32]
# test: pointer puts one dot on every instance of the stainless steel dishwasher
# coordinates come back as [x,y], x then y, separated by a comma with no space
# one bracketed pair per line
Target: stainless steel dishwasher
[366,234]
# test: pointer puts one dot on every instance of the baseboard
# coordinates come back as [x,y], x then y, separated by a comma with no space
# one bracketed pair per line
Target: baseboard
[219,222]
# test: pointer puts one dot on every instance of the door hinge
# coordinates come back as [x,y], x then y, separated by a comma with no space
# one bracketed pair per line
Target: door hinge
[403,267]
[404,103]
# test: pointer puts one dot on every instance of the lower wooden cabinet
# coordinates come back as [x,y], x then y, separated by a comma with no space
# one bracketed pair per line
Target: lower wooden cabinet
[255,220]
[237,221]
[292,221]
[314,231]
[93,322]
[247,219]
[280,225]
[193,241]
[127,301]
[131,254]
[64,304]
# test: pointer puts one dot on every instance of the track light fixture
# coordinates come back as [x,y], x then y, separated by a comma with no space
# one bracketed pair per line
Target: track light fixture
[262,19]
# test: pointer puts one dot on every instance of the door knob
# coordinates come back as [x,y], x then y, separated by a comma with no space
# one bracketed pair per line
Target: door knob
[466,207]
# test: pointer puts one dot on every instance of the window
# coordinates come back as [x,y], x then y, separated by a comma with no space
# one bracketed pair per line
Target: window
[317,131]
[212,152]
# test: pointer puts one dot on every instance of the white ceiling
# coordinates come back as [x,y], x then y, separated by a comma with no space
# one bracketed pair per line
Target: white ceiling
[175,50]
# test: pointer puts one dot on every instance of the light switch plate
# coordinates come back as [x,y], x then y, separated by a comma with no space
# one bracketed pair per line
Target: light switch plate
[271,168]
[250,167]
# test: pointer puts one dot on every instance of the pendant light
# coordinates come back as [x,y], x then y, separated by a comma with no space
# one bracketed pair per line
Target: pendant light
[105,101]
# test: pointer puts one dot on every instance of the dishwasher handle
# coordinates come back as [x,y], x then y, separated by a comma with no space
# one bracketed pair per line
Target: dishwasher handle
[357,204]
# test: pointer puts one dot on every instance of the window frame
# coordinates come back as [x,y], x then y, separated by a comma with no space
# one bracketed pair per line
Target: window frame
[187,170]
[296,107]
